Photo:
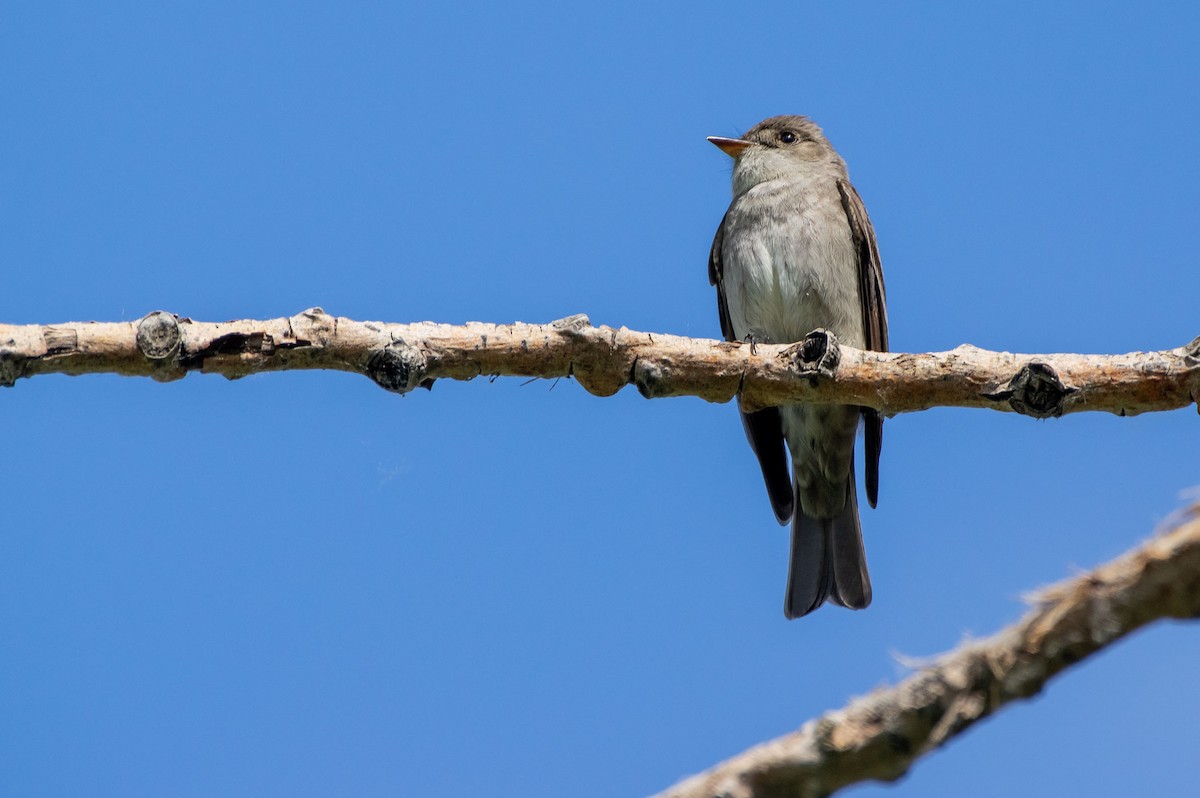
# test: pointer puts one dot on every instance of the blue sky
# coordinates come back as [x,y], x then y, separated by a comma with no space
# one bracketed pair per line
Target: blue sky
[298,584]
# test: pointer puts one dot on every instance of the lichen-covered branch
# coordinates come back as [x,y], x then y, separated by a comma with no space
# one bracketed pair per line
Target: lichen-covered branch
[879,736]
[400,357]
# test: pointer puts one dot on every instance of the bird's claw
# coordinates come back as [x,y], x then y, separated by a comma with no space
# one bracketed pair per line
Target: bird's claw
[754,341]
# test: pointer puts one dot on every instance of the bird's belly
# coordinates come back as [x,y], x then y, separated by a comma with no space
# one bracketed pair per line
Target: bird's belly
[780,293]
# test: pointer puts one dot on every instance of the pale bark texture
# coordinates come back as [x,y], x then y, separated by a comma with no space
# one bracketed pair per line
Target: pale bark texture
[400,357]
[879,736]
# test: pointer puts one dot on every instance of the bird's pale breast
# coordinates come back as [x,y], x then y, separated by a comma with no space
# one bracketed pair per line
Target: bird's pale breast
[790,265]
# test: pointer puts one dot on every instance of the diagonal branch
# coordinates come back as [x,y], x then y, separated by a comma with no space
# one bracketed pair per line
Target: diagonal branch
[879,736]
[400,357]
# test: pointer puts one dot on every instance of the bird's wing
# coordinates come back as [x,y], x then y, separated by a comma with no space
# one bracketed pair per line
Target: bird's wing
[716,277]
[874,300]
[764,428]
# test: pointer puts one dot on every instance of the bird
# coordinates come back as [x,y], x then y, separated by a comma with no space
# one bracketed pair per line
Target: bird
[796,252]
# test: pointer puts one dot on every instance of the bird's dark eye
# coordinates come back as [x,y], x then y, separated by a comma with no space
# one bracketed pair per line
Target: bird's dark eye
[787,137]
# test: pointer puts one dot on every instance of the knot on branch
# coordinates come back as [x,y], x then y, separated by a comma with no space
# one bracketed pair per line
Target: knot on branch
[818,355]
[397,367]
[158,335]
[652,378]
[313,325]
[1191,352]
[1035,391]
[12,368]
[1191,357]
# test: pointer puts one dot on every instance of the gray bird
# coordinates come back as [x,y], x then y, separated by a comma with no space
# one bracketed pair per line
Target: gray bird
[796,252]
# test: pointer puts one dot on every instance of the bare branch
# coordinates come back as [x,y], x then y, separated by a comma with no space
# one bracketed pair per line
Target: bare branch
[400,357]
[876,737]
[879,736]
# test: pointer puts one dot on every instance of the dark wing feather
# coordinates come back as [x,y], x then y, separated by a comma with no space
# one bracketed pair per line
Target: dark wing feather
[716,277]
[764,428]
[874,299]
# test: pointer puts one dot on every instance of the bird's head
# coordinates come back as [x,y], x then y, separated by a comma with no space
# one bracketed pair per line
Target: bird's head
[779,147]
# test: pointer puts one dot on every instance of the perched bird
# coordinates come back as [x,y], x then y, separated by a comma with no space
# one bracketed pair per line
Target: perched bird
[796,252]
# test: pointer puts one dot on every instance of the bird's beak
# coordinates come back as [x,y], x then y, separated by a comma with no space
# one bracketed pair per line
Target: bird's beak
[731,147]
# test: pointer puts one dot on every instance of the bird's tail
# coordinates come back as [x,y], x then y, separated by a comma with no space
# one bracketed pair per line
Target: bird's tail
[828,562]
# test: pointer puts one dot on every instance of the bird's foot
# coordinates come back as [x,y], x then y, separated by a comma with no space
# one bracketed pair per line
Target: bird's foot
[755,340]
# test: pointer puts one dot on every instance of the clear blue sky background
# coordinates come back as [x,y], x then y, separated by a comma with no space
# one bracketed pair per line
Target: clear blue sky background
[298,584]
